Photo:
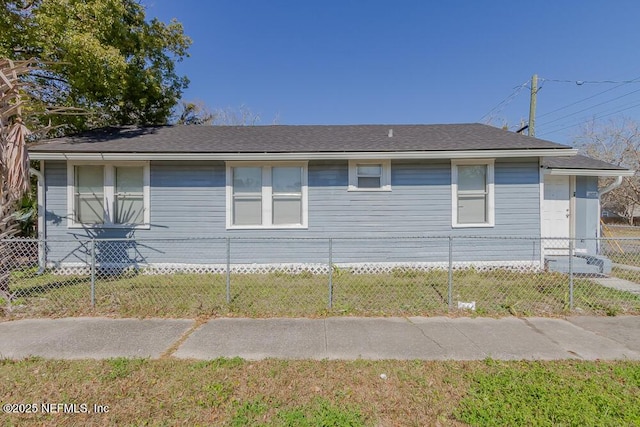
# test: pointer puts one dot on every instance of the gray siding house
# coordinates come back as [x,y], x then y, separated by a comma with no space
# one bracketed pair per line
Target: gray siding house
[158,184]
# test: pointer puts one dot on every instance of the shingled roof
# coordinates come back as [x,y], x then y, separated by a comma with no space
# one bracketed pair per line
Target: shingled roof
[290,139]
[578,162]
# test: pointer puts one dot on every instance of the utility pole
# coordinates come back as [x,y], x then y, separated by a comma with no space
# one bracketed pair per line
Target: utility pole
[532,105]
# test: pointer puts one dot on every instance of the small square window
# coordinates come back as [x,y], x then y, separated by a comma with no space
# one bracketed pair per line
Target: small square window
[369,175]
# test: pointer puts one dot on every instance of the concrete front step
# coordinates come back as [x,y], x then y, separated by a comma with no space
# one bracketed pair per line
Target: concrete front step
[584,269]
[603,263]
[560,264]
[564,260]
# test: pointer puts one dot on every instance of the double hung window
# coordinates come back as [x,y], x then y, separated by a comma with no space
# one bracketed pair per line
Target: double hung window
[472,193]
[369,175]
[267,195]
[108,195]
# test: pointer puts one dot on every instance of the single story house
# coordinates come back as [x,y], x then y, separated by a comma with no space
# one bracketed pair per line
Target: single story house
[158,184]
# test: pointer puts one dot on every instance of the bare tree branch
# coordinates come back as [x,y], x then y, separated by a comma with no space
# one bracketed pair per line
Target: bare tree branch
[616,142]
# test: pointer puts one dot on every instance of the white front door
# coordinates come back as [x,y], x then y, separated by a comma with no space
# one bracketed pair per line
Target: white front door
[556,214]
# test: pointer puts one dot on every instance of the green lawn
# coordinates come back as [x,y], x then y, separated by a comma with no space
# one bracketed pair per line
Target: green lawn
[235,392]
[401,292]
[623,273]
[627,258]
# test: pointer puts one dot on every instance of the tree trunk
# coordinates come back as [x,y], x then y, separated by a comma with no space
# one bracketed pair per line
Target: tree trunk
[8,229]
[14,163]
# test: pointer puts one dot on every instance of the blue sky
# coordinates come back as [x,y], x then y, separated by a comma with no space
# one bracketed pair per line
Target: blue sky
[410,61]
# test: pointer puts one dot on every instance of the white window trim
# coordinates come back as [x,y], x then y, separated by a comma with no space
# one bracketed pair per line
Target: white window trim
[267,196]
[385,179]
[489,163]
[109,195]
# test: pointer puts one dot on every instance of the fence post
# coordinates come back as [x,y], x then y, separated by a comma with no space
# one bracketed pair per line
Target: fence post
[450,288]
[93,272]
[42,258]
[571,243]
[330,273]
[228,271]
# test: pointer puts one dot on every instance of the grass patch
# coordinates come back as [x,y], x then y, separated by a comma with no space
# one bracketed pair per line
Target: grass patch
[320,412]
[600,300]
[626,258]
[122,367]
[400,292]
[622,273]
[232,392]
[540,394]
[624,251]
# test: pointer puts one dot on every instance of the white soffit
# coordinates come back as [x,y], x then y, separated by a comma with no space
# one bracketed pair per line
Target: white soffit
[591,172]
[470,154]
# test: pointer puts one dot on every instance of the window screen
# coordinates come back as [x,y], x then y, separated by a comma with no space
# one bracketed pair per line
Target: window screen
[472,194]
[129,195]
[89,194]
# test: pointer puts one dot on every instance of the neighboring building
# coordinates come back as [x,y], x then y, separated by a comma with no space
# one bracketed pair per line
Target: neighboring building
[317,181]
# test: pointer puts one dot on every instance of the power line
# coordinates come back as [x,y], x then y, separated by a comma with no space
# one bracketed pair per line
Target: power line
[607,110]
[583,82]
[596,117]
[585,99]
[507,100]
[585,118]
[593,106]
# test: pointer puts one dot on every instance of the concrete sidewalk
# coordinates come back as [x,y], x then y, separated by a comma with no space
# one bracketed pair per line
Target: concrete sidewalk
[346,338]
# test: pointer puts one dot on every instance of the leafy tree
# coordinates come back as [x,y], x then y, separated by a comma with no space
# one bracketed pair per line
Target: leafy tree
[102,56]
[97,56]
[616,142]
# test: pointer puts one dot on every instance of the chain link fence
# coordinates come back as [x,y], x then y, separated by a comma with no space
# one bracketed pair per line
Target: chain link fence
[313,277]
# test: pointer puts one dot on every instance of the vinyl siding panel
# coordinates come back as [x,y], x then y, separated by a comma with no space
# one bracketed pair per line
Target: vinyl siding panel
[419,202]
[55,198]
[187,201]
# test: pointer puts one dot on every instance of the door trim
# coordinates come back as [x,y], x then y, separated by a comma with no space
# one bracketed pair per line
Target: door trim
[572,206]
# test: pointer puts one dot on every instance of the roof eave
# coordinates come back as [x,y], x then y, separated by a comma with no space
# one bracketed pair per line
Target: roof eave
[398,155]
[591,172]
